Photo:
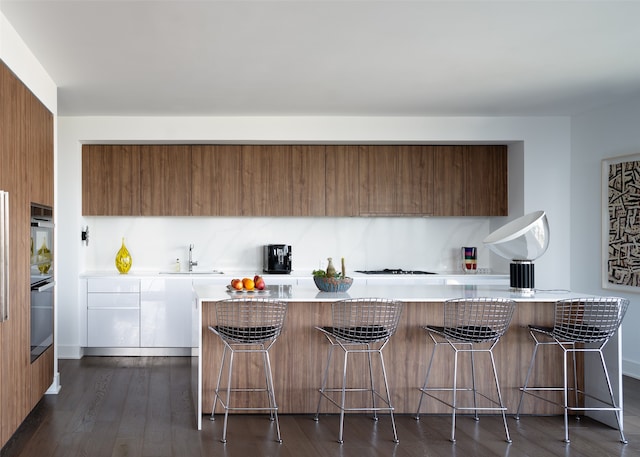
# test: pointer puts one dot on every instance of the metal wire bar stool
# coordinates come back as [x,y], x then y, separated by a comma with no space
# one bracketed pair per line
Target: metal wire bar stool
[360,326]
[580,325]
[473,325]
[247,326]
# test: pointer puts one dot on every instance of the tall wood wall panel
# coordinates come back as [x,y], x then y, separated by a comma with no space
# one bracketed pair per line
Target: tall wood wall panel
[26,172]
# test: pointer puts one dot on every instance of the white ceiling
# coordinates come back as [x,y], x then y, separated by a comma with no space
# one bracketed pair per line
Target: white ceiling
[306,57]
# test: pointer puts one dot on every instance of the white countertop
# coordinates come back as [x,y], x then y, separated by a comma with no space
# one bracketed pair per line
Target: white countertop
[415,293]
[305,277]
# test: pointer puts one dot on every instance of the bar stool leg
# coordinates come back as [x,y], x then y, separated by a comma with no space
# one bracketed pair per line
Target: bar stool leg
[473,386]
[565,396]
[373,396]
[215,398]
[388,393]
[575,377]
[455,395]
[613,400]
[343,399]
[504,417]
[226,404]
[272,396]
[526,380]
[324,381]
[426,380]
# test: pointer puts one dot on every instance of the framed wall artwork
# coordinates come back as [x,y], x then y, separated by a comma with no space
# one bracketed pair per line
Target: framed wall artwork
[621,223]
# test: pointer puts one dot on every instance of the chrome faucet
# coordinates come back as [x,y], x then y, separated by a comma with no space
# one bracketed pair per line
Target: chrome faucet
[191,262]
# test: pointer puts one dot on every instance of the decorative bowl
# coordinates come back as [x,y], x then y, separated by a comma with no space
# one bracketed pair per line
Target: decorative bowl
[333,284]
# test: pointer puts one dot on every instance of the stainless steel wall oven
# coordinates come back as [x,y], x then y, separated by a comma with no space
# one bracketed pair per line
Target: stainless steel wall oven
[42,279]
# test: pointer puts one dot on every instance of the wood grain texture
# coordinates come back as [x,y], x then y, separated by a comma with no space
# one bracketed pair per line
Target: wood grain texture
[308,180]
[299,357]
[342,189]
[165,180]
[26,152]
[215,187]
[140,406]
[110,180]
[41,375]
[485,180]
[266,176]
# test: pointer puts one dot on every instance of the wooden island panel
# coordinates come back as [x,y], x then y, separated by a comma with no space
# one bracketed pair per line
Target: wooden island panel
[299,356]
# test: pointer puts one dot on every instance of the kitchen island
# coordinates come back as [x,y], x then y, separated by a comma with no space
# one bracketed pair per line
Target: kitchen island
[299,355]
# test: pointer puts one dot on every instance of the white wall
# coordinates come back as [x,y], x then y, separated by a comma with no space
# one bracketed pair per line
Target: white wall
[600,134]
[539,155]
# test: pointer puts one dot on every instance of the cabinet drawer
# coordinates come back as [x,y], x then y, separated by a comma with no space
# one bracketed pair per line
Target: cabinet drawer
[113,285]
[114,301]
[113,328]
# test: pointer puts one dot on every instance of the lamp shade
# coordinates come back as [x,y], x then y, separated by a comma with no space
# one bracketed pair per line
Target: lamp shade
[525,238]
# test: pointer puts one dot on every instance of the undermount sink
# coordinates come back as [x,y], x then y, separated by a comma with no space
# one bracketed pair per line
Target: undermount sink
[196,272]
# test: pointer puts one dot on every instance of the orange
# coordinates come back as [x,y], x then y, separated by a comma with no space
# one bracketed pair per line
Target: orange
[248,283]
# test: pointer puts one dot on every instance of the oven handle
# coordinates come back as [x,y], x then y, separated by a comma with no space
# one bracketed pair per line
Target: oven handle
[46,286]
[42,223]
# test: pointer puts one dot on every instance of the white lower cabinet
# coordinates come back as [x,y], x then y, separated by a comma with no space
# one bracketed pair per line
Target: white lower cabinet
[113,312]
[165,312]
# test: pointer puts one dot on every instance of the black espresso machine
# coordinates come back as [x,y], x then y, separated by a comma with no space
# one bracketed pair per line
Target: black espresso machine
[277,259]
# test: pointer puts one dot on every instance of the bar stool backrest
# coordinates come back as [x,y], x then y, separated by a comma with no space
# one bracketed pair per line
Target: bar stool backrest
[365,320]
[250,320]
[477,319]
[588,320]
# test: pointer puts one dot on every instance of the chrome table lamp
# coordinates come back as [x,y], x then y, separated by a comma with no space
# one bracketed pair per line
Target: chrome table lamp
[522,241]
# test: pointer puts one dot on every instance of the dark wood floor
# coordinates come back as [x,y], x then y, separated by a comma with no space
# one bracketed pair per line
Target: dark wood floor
[139,406]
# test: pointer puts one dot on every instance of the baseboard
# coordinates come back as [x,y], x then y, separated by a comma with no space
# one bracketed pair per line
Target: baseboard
[70,352]
[55,386]
[631,368]
[138,352]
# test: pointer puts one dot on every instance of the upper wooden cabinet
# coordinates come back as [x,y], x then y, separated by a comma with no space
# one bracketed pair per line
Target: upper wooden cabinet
[295,180]
[342,188]
[308,180]
[110,180]
[165,180]
[215,187]
[396,180]
[266,174]
[470,180]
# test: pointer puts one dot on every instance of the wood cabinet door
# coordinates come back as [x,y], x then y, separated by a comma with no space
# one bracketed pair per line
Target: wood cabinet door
[308,180]
[448,181]
[470,180]
[414,186]
[266,175]
[165,178]
[15,131]
[110,180]
[486,186]
[40,150]
[396,180]
[378,180]
[342,175]
[216,189]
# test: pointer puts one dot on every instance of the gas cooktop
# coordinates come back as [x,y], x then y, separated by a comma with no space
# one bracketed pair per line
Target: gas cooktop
[395,271]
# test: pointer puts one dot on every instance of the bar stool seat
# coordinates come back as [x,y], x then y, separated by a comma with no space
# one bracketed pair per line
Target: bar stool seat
[247,326]
[360,326]
[581,325]
[471,325]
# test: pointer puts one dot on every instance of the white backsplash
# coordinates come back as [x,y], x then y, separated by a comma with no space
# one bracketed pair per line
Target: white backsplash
[235,244]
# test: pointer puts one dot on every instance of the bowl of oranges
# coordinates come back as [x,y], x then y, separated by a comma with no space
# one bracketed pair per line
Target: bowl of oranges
[255,284]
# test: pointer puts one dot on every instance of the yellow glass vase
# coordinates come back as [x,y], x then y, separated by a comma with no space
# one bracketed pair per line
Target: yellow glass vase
[123,259]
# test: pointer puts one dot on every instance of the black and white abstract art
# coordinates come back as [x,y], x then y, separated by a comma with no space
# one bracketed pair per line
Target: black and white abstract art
[621,223]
